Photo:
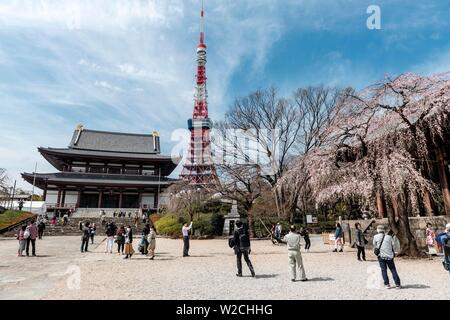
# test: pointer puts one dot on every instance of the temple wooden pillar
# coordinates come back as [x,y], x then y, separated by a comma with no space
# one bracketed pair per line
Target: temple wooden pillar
[140,199]
[79,198]
[58,200]
[100,199]
[44,196]
[120,199]
[63,198]
[155,204]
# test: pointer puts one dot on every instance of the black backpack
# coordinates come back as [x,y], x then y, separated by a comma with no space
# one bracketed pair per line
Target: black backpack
[244,240]
[231,243]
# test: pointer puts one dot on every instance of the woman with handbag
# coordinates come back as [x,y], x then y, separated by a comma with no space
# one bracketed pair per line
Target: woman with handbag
[152,242]
[360,242]
[129,251]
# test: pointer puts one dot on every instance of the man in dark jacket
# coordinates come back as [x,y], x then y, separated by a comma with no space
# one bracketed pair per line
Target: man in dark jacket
[41,228]
[242,247]
[86,233]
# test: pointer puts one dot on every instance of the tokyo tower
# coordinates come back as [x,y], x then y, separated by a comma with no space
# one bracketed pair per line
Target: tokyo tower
[199,168]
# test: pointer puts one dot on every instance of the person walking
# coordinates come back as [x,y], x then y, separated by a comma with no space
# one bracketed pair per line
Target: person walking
[86,233]
[305,234]
[22,241]
[129,251]
[384,248]
[431,240]
[278,229]
[443,239]
[144,242]
[110,233]
[136,220]
[292,239]
[93,230]
[152,242]
[338,236]
[120,239]
[360,242]
[65,219]
[185,231]
[31,233]
[41,228]
[241,240]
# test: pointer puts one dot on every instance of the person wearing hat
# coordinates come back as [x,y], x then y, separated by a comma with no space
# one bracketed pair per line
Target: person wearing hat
[241,248]
[384,248]
[295,257]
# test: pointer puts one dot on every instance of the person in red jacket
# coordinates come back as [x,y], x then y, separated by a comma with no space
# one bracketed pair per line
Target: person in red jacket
[31,238]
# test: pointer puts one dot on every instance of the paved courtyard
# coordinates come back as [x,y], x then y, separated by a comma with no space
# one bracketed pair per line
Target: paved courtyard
[61,272]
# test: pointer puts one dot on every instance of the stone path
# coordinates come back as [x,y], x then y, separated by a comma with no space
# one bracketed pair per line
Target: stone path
[62,272]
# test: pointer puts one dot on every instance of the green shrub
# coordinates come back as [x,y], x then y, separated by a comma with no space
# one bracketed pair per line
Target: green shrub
[203,225]
[217,222]
[168,225]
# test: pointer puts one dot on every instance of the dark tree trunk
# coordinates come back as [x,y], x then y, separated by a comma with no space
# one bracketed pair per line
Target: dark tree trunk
[443,178]
[381,204]
[402,230]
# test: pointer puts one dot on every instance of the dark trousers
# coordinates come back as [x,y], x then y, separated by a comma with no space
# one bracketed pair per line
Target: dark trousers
[84,244]
[307,243]
[185,246]
[33,245]
[361,251]
[239,255]
[92,238]
[120,247]
[40,233]
[384,264]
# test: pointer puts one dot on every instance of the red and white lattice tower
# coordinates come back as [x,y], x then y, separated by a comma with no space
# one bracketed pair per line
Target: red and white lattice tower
[198,167]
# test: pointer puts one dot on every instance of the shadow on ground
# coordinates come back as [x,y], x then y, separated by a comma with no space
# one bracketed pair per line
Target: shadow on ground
[415,286]
[321,279]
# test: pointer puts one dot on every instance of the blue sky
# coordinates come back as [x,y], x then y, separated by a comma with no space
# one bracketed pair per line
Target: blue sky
[130,65]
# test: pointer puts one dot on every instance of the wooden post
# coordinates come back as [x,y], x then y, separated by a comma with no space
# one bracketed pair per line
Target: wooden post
[100,199]
[120,199]
[63,198]
[443,177]
[58,201]
[79,198]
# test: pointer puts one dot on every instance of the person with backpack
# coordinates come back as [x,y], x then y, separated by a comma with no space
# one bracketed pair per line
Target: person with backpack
[338,238]
[110,233]
[86,233]
[360,242]
[120,239]
[41,228]
[241,242]
[443,239]
[30,234]
[93,230]
[22,241]
[129,251]
[384,249]
[185,231]
[292,239]
[305,234]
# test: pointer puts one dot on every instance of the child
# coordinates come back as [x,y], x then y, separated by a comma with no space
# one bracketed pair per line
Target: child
[129,243]
[22,241]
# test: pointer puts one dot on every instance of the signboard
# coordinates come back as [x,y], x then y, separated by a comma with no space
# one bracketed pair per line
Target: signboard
[311,219]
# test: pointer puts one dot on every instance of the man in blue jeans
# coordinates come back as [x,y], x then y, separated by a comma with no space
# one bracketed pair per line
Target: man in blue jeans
[385,244]
[444,240]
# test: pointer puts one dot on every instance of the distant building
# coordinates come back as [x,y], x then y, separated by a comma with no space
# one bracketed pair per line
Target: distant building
[105,170]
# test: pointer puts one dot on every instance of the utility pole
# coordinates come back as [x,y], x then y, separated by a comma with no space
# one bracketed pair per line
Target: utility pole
[13,195]
[34,183]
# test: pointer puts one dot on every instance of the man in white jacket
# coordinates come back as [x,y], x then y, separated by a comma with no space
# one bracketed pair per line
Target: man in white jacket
[385,244]
[295,257]
[185,230]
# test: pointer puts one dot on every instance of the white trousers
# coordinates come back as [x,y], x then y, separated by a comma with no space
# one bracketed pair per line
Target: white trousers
[109,244]
[295,260]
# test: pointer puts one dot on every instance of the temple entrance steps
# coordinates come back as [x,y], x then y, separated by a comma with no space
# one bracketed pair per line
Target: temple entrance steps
[72,227]
[95,212]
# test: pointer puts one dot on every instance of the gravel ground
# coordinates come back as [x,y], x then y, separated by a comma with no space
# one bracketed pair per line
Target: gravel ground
[62,272]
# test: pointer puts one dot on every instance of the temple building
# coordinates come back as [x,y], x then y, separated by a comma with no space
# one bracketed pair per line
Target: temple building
[105,170]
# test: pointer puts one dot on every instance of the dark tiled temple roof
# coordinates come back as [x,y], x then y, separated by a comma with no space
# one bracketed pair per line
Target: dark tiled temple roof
[96,179]
[114,142]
